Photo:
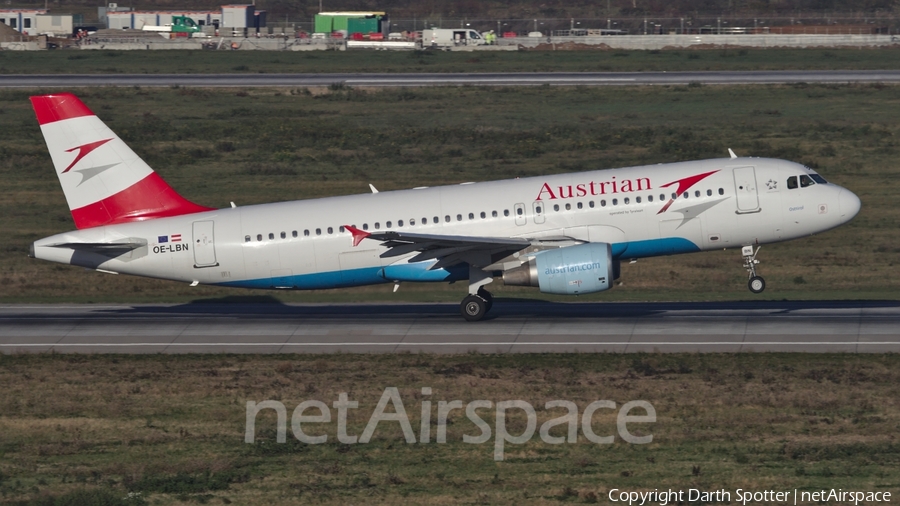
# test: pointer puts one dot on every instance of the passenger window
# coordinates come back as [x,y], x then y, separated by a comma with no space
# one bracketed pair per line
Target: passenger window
[627,200]
[471,216]
[685,194]
[365,226]
[293,233]
[306,233]
[283,235]
[591,204]
[447,218]
[697,193]
[259,237]
[538,210]
[806,181]
[662,197]
[246,238]
[637,200]
[483,216]
[649,198]
[271,236]
[579,205]
[556,207]
[568,207]
[506,212]
[721,191]
[615,202]
[493,214]
[377,225]
[436,220]
[318,231]
[341,229]
[602,203]
[387,225]
[330,230]
[709,193]
[399,223]
[674,196]
[520,211]
[412,222]
[458,217]
[792,182]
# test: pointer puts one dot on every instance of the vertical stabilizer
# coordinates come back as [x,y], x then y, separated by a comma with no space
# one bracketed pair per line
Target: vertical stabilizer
[104,181]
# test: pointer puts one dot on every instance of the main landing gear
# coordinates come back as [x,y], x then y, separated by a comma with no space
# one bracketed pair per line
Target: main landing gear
[756,283]
[479,301]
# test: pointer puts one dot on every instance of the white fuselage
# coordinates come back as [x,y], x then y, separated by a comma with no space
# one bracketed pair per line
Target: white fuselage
[302,245]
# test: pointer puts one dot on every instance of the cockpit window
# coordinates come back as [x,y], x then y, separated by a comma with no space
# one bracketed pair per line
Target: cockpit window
[806,181]
[818,179]
[792,182]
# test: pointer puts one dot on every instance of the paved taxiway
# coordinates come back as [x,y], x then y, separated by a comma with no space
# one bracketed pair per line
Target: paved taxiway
[485,79]
[512,327]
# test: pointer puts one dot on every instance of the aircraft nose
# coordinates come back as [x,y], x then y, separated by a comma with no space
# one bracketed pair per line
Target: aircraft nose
[849,203]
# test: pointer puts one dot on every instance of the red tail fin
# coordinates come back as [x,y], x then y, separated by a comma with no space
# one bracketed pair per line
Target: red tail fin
[105,182]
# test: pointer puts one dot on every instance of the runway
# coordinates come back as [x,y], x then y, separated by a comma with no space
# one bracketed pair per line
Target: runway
[513,326]
[469,79]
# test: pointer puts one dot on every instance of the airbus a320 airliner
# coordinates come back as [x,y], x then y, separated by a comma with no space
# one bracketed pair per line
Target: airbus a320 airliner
[564,234]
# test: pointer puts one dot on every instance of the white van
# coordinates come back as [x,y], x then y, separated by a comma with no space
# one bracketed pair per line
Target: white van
[450,37]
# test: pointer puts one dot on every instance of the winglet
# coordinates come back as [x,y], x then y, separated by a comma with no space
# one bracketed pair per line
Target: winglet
[730,152]
[358,235]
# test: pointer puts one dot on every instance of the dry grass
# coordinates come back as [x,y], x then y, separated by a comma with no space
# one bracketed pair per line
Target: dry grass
[171,427]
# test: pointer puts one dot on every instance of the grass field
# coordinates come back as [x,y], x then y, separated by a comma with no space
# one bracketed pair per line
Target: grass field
[181,62]
[261,145]
[170,429]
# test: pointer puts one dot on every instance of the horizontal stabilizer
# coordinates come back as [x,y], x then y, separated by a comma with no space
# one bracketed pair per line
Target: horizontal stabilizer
[107,249]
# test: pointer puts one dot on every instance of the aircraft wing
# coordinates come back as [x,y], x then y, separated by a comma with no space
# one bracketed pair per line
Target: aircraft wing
[449,250]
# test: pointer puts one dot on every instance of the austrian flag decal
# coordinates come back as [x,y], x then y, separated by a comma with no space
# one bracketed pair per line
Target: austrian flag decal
[166,238]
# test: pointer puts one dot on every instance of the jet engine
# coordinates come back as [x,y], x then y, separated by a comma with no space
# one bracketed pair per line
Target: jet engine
[585,268]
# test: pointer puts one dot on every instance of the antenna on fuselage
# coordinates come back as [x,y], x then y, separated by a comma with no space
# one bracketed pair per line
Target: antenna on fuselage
[730,152]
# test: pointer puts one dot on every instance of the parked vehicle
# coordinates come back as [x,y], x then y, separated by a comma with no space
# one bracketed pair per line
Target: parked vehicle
[451,37]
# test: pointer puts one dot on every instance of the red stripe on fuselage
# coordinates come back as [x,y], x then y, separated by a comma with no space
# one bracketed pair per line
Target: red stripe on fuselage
[147,199]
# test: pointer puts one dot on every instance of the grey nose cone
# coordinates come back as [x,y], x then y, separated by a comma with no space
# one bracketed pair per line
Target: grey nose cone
[31,250]
[849,203]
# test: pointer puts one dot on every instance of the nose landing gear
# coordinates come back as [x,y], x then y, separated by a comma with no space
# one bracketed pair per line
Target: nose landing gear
[756,283]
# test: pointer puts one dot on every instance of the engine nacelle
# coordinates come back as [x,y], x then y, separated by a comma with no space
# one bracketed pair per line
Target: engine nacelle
[585,268]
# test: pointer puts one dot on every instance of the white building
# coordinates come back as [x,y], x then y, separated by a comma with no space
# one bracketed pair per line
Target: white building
[137,19]
[22,20]
[55,25]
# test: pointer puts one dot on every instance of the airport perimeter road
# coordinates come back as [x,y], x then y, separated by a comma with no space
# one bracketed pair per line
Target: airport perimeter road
[513,79]
[513,327]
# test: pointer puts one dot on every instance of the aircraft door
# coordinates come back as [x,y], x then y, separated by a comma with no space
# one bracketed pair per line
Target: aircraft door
[204,244]
[538,208]
[519,209]
[745,190]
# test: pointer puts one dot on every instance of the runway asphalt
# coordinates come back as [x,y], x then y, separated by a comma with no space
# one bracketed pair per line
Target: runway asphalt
[486,79]
[513,326]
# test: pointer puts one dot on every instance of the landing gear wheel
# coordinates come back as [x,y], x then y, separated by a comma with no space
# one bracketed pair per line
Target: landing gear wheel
[488,298]
[757,284]
[473,308]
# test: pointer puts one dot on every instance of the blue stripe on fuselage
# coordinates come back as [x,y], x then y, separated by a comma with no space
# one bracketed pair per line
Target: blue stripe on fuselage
[419,272]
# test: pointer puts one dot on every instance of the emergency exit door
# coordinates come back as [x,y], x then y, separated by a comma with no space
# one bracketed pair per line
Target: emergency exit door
[745,190]
[204,244]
